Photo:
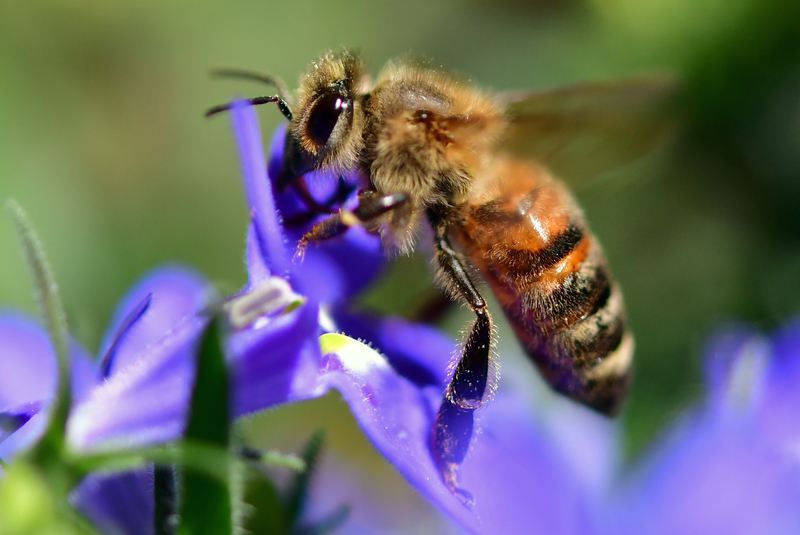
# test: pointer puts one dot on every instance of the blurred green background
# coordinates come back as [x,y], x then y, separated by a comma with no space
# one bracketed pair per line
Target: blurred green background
[102,139]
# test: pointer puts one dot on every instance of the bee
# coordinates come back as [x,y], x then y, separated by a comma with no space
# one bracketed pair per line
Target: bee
[480,170]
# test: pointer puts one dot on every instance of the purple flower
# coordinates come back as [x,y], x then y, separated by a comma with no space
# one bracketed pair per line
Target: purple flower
[145,399]
[138,391]
[27,380]
[731,465]
[167,299]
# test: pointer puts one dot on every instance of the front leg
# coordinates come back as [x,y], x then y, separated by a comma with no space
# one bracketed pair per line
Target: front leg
[370,208]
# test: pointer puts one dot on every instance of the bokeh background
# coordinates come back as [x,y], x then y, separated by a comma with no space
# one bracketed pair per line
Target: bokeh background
[102,139]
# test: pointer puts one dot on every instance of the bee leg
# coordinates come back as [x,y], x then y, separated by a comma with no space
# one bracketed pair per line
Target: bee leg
[468,384]
[454,423]
[368,209]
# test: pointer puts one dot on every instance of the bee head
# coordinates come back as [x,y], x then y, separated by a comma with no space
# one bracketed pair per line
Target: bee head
[326,130]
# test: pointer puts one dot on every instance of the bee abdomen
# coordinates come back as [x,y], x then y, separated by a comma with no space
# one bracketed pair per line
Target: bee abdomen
[527,263]
[528,238]
[575,329]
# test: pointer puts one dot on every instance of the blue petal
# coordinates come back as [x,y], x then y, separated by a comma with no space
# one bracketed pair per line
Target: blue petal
[712,478]
[785,369]
[144,402]
[778,415]
[24,437]
[174,294]
[518,481]
[726,467]
[423,362]
[12,419]
[257,190]
[257,269]
[28,364]
[735,360]
[28,379]
[147,401]
[120,503]
[276,363]
[339,269]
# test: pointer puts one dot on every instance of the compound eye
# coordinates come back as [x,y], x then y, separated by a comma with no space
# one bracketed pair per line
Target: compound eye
[324,116]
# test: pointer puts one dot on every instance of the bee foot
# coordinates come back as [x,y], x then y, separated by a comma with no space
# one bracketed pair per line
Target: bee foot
[449,442]
[449,474]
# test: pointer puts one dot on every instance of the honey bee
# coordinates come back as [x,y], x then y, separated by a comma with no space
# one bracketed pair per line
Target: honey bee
[478,169]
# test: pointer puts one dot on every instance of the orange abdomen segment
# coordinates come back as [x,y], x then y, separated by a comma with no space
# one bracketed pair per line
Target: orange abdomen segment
[525,234]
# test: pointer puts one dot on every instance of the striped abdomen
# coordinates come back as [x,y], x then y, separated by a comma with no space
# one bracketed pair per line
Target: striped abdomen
[525,234]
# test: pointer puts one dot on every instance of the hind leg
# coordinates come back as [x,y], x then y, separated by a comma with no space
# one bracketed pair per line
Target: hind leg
[470,379]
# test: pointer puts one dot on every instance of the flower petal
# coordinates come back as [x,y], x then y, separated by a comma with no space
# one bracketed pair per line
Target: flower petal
[174,293]
[27,381]
[257,269]
[338,269]
[515,477]
[24,437]
[736,358]
[13,419]
[257,190]
[277,362]
[423,362]
[711,478]
[727,467]
[147,401]
[780,407]
[28,364]
[144,402]
[119,503]
[785,366]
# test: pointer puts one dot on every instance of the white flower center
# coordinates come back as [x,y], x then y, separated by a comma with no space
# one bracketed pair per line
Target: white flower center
[270,297]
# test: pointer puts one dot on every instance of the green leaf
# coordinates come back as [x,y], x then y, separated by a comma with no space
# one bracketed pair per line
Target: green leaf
[49,450]
[297,495]
[273,458]
[206,459]
[264,514]
[209,411]
[206,501]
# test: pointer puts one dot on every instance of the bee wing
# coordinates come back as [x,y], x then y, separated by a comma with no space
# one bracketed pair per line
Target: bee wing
[585,130]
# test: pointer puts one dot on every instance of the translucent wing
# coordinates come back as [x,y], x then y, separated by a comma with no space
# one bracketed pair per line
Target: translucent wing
[585,130]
